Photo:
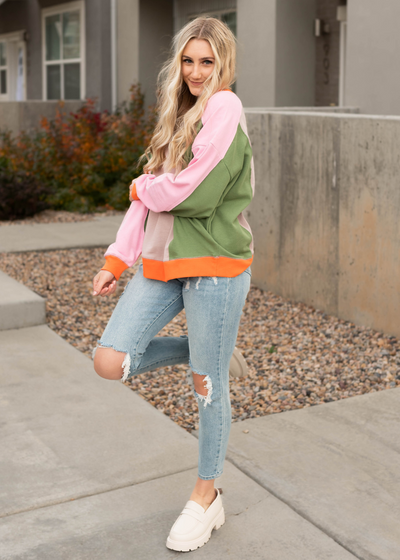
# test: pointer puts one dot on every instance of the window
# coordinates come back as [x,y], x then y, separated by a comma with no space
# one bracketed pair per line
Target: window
[3,69]
[63,52]
[228,17]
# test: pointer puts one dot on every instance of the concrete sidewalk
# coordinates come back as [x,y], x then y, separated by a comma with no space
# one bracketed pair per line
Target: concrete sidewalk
[45,237]
[91,470]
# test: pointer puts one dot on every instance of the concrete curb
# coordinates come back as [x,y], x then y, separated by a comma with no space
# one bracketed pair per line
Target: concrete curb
[19,306]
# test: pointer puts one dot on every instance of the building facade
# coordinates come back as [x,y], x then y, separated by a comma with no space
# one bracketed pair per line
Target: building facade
[291,53]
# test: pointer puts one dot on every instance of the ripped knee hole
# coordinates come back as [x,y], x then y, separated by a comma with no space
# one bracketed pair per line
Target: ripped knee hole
[203,387]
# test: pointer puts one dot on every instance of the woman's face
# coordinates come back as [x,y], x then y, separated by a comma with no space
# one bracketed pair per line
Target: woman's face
[197,64]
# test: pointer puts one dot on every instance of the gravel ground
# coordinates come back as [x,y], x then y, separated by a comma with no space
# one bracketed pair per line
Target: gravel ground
[60,216]
[297,356]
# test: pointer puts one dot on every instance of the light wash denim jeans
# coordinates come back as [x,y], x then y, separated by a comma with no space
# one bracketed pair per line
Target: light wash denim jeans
[213,307]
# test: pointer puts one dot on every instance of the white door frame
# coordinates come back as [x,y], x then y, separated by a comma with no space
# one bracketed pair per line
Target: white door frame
[13,42]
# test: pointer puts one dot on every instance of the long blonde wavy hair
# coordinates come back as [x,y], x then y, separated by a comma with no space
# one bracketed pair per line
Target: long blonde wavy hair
[178,110]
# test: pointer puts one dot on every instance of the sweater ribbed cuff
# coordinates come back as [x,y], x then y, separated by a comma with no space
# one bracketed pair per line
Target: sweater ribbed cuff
[134,195]
[115,266]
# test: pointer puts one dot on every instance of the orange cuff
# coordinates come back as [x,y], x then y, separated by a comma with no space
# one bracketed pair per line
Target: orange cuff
[115,266]
[134,195]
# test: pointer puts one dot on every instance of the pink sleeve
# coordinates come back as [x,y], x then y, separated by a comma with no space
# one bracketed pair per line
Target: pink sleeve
[220,121]
[128,245]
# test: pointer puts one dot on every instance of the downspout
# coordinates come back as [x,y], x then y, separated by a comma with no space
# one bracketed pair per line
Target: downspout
[113,55]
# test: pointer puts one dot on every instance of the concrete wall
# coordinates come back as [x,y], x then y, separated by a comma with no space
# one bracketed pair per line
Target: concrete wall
[26,115]
[373,51]
[302,109]
[326,214]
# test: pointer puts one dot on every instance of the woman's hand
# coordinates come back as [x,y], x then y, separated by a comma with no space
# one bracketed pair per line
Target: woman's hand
[104,283]
[130,190]
[131,185]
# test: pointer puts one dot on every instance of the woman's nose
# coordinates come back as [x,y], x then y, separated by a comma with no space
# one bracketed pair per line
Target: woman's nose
[196,71]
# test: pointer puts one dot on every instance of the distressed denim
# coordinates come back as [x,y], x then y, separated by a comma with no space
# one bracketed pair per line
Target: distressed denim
[213,307]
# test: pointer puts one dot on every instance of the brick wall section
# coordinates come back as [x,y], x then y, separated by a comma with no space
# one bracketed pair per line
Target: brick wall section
[327,55]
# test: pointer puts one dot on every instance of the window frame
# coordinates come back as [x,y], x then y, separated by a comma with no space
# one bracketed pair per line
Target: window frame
[60,9]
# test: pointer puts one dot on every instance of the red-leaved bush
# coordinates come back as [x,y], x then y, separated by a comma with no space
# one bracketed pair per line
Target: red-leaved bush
[85,160]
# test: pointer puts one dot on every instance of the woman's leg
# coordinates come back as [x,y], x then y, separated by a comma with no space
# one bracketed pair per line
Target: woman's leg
[213,309]
[129,344]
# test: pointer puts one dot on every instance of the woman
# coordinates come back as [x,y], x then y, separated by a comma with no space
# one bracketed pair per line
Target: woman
[186,220]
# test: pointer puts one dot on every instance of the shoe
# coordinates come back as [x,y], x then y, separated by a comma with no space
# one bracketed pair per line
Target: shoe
[193,527]
[237,366]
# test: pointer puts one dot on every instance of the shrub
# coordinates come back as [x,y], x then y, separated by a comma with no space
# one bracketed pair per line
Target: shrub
[20,194]
[87,159]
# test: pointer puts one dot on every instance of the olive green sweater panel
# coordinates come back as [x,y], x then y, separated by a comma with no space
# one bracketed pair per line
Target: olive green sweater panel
[206,223]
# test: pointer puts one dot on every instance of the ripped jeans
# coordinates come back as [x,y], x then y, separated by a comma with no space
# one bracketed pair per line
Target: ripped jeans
[213,307]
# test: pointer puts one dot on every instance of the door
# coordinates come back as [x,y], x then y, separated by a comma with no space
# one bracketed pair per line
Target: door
[12,68]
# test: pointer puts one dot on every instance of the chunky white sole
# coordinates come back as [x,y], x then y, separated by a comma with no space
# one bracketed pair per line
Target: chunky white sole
[238,365]
[192,545]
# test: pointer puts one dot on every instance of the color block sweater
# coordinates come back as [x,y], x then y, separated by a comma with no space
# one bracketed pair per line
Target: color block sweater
[192,224]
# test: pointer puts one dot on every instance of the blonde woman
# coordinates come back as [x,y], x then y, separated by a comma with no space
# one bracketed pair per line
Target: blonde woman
[186,220]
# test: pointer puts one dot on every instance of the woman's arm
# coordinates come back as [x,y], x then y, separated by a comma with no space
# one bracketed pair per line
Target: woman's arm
[167,193]
[129,241]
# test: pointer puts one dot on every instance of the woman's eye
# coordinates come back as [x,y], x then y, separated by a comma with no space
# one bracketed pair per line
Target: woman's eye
[207,62]
[187,60]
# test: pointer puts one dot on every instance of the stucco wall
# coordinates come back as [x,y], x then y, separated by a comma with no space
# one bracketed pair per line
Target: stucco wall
[373,51]
[127,47]
[327,48]
[98,51]
[256,64]
[25,16]
[326,214]
[276,52]
[295,52]
[154,44]
[183,9]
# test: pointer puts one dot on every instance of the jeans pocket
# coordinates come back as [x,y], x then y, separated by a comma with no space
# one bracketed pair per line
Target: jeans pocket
[248,270]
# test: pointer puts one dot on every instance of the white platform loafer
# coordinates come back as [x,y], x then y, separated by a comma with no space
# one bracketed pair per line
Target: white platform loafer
[238,365]
[194,526]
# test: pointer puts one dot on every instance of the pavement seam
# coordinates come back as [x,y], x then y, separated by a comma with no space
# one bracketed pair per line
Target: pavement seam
[48,250]
[297,511]
[83,496]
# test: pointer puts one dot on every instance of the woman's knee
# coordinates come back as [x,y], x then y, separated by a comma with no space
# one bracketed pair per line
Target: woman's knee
[200,383]
[108,363]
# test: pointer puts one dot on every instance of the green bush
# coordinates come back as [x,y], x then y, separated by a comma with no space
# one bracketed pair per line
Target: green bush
[85,160]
